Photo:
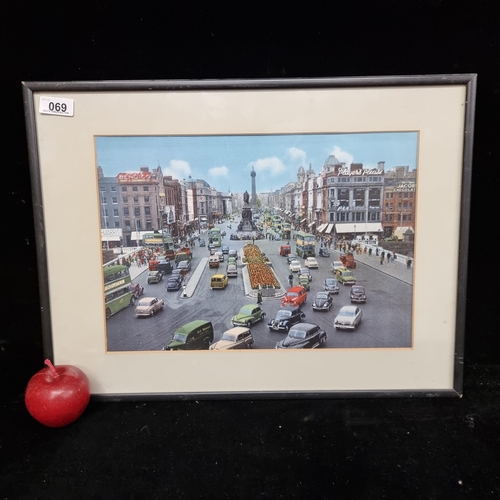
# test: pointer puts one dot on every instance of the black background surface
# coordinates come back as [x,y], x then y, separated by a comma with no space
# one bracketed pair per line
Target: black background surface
[351,448]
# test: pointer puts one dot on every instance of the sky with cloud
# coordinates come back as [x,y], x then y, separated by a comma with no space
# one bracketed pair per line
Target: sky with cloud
[225,162]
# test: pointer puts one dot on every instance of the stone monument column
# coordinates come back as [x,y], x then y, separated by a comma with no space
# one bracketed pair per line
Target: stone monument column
[254,192]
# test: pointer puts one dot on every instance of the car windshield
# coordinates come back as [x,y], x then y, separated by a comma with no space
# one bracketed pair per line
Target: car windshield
[322,296]
[347,313]
[152,273]
[283,314]
[346,273]
[229,337]
[245,310]
[357,289]
[180,337]
[144,303]
[292,294]
[296,334]
[295,263]
[331,282]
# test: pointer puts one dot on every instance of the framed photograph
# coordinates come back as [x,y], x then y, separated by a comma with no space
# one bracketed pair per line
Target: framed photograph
[254,238]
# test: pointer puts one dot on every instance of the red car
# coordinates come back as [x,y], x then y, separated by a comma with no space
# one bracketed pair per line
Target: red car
[295,297]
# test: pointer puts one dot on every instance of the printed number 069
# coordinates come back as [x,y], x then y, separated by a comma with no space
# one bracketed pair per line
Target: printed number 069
[57,107]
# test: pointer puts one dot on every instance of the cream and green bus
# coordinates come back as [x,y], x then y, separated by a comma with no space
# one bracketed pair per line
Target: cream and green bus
[118,292]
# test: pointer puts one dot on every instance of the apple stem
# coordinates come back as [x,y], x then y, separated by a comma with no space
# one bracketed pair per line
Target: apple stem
[52,369]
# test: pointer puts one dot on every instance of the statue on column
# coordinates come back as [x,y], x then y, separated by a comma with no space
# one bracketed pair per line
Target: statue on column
[246,197]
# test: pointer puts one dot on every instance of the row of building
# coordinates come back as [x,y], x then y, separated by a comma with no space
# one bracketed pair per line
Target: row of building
[134,203]
[350,200]
[340,200]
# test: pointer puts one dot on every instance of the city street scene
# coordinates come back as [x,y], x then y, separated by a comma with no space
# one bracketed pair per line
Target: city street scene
[258,242]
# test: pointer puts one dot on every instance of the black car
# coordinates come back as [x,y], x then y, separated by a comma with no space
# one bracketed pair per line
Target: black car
[323,301]
[331,285]
[290,257]
[285,319]
[174,282]
[358,293]
[303,336]
[184,266]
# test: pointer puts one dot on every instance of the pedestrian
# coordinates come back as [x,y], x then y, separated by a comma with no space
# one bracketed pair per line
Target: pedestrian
[259,297]
[365,250]
[376,252]
[381,260]
[370,252]
[383,255]
[408,263]
[388,257]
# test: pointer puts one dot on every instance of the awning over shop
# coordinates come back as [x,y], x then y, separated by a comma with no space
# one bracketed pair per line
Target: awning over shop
[322,228]
[328,229]
[302,221]
[363,227]
[312,224]
[110,238]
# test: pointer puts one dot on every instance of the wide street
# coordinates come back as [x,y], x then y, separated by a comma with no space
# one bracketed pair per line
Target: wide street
[386,315]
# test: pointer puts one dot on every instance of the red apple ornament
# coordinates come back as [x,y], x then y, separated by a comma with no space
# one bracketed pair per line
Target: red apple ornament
[57,395]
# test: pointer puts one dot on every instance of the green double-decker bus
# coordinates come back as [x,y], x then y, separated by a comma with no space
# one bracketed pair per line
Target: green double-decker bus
[118,292]
[158,239]
[214,237]
[305,244]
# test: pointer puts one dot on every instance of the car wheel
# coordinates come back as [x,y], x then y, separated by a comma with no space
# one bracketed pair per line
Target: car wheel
[206,343]
[108,313]
[152,312]
[249,324]
[322,341]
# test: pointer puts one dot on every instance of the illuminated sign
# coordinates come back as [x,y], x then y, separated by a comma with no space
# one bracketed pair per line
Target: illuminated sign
[360,171]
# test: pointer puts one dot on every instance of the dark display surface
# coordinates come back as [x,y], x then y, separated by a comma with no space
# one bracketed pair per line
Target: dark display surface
[366,448]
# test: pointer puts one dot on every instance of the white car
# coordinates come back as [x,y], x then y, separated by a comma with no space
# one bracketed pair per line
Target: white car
[294,266]
[336,264]
[311,263]
[348,317]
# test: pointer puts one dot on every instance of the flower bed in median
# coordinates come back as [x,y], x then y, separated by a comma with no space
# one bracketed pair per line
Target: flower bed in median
[258,270]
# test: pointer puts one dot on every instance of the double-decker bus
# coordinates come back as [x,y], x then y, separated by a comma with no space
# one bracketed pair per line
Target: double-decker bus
[215,237]
[305,244]
[286,230]
[118,291]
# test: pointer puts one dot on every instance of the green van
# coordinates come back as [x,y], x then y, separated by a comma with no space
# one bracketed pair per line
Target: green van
[194,336]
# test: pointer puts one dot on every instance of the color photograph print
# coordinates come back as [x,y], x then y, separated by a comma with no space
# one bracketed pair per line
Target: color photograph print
[258,241]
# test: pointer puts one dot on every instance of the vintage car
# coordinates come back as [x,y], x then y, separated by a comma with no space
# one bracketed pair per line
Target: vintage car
[294,266]
[193,336]
[331,285]
[235,338]
[233,253]
[304,271]
[174,282]
[303,280]
[345,276]
[347,260]
[311,263]
[218,281]
[303,336]
[219,255]
[225,249]
[232,260]
[290,257]
[286,318]
[323,301]
[336,264]
[213,261]
[285,250]
[154,277]
[349,317]
[232,271]
[294,297]
[248,315]
[148,306]
[201,243]
[184,266]
[358,293]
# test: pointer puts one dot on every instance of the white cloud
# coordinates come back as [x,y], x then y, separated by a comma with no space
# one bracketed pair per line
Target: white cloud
[342,156]
[273,165]
[296,154]
[218,171]
[178,169]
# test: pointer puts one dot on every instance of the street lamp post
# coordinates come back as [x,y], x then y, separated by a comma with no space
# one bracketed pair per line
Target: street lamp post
[136,235]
